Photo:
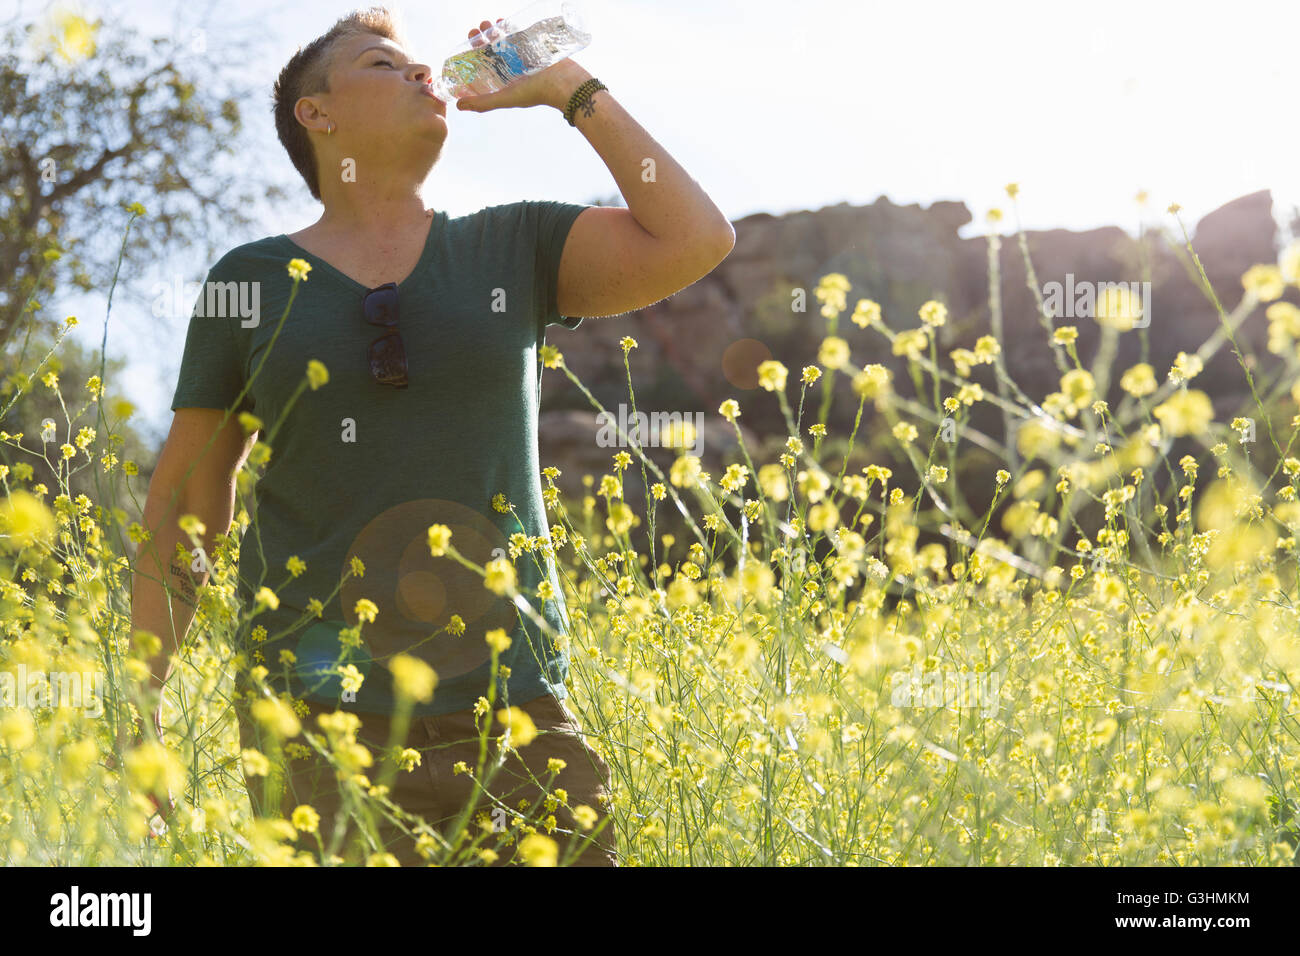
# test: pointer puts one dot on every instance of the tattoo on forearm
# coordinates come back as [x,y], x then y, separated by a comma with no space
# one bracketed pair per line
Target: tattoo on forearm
[184,583]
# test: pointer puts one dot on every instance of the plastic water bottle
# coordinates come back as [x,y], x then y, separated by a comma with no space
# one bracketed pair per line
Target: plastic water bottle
[528,42]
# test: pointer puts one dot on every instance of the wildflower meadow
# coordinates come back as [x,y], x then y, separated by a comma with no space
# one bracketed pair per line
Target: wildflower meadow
[809,658]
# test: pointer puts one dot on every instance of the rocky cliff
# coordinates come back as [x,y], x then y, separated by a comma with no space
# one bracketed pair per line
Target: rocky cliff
[703,344]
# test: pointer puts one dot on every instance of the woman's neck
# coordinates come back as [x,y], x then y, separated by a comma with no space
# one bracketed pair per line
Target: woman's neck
[353,210]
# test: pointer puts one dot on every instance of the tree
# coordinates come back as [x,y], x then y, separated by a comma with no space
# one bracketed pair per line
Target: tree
[101,118]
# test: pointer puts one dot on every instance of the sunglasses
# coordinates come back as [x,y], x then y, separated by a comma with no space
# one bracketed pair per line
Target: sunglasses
[387,354]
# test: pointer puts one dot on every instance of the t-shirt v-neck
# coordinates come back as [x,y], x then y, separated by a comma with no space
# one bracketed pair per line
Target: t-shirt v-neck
[436,224]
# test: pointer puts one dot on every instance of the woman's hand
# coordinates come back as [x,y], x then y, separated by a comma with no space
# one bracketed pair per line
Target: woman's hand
[550,87]
[126,739]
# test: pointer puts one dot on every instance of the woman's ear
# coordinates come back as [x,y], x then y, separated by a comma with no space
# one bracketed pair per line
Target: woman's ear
[307,112]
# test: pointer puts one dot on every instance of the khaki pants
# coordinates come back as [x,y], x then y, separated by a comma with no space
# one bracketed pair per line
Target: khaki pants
[434,792]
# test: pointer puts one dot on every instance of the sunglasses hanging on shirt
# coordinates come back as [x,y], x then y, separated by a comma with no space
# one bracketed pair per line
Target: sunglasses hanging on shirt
[387,354]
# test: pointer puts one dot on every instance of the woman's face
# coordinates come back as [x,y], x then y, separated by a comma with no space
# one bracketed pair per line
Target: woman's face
[379,96]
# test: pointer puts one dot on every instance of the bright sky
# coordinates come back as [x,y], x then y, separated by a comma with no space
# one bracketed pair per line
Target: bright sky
[781,106]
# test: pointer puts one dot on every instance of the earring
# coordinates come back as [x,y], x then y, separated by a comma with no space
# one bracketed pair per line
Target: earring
[330,128]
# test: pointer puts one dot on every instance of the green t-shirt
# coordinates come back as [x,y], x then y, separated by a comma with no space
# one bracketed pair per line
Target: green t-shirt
[362,469]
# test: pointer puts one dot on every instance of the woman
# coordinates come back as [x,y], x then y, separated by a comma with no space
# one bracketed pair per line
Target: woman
[423,332]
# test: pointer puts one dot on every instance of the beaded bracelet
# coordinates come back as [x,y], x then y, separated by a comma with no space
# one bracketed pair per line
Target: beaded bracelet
[581,97]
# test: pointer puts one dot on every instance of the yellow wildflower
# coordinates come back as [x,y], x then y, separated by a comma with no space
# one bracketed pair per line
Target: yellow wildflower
[413,678]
